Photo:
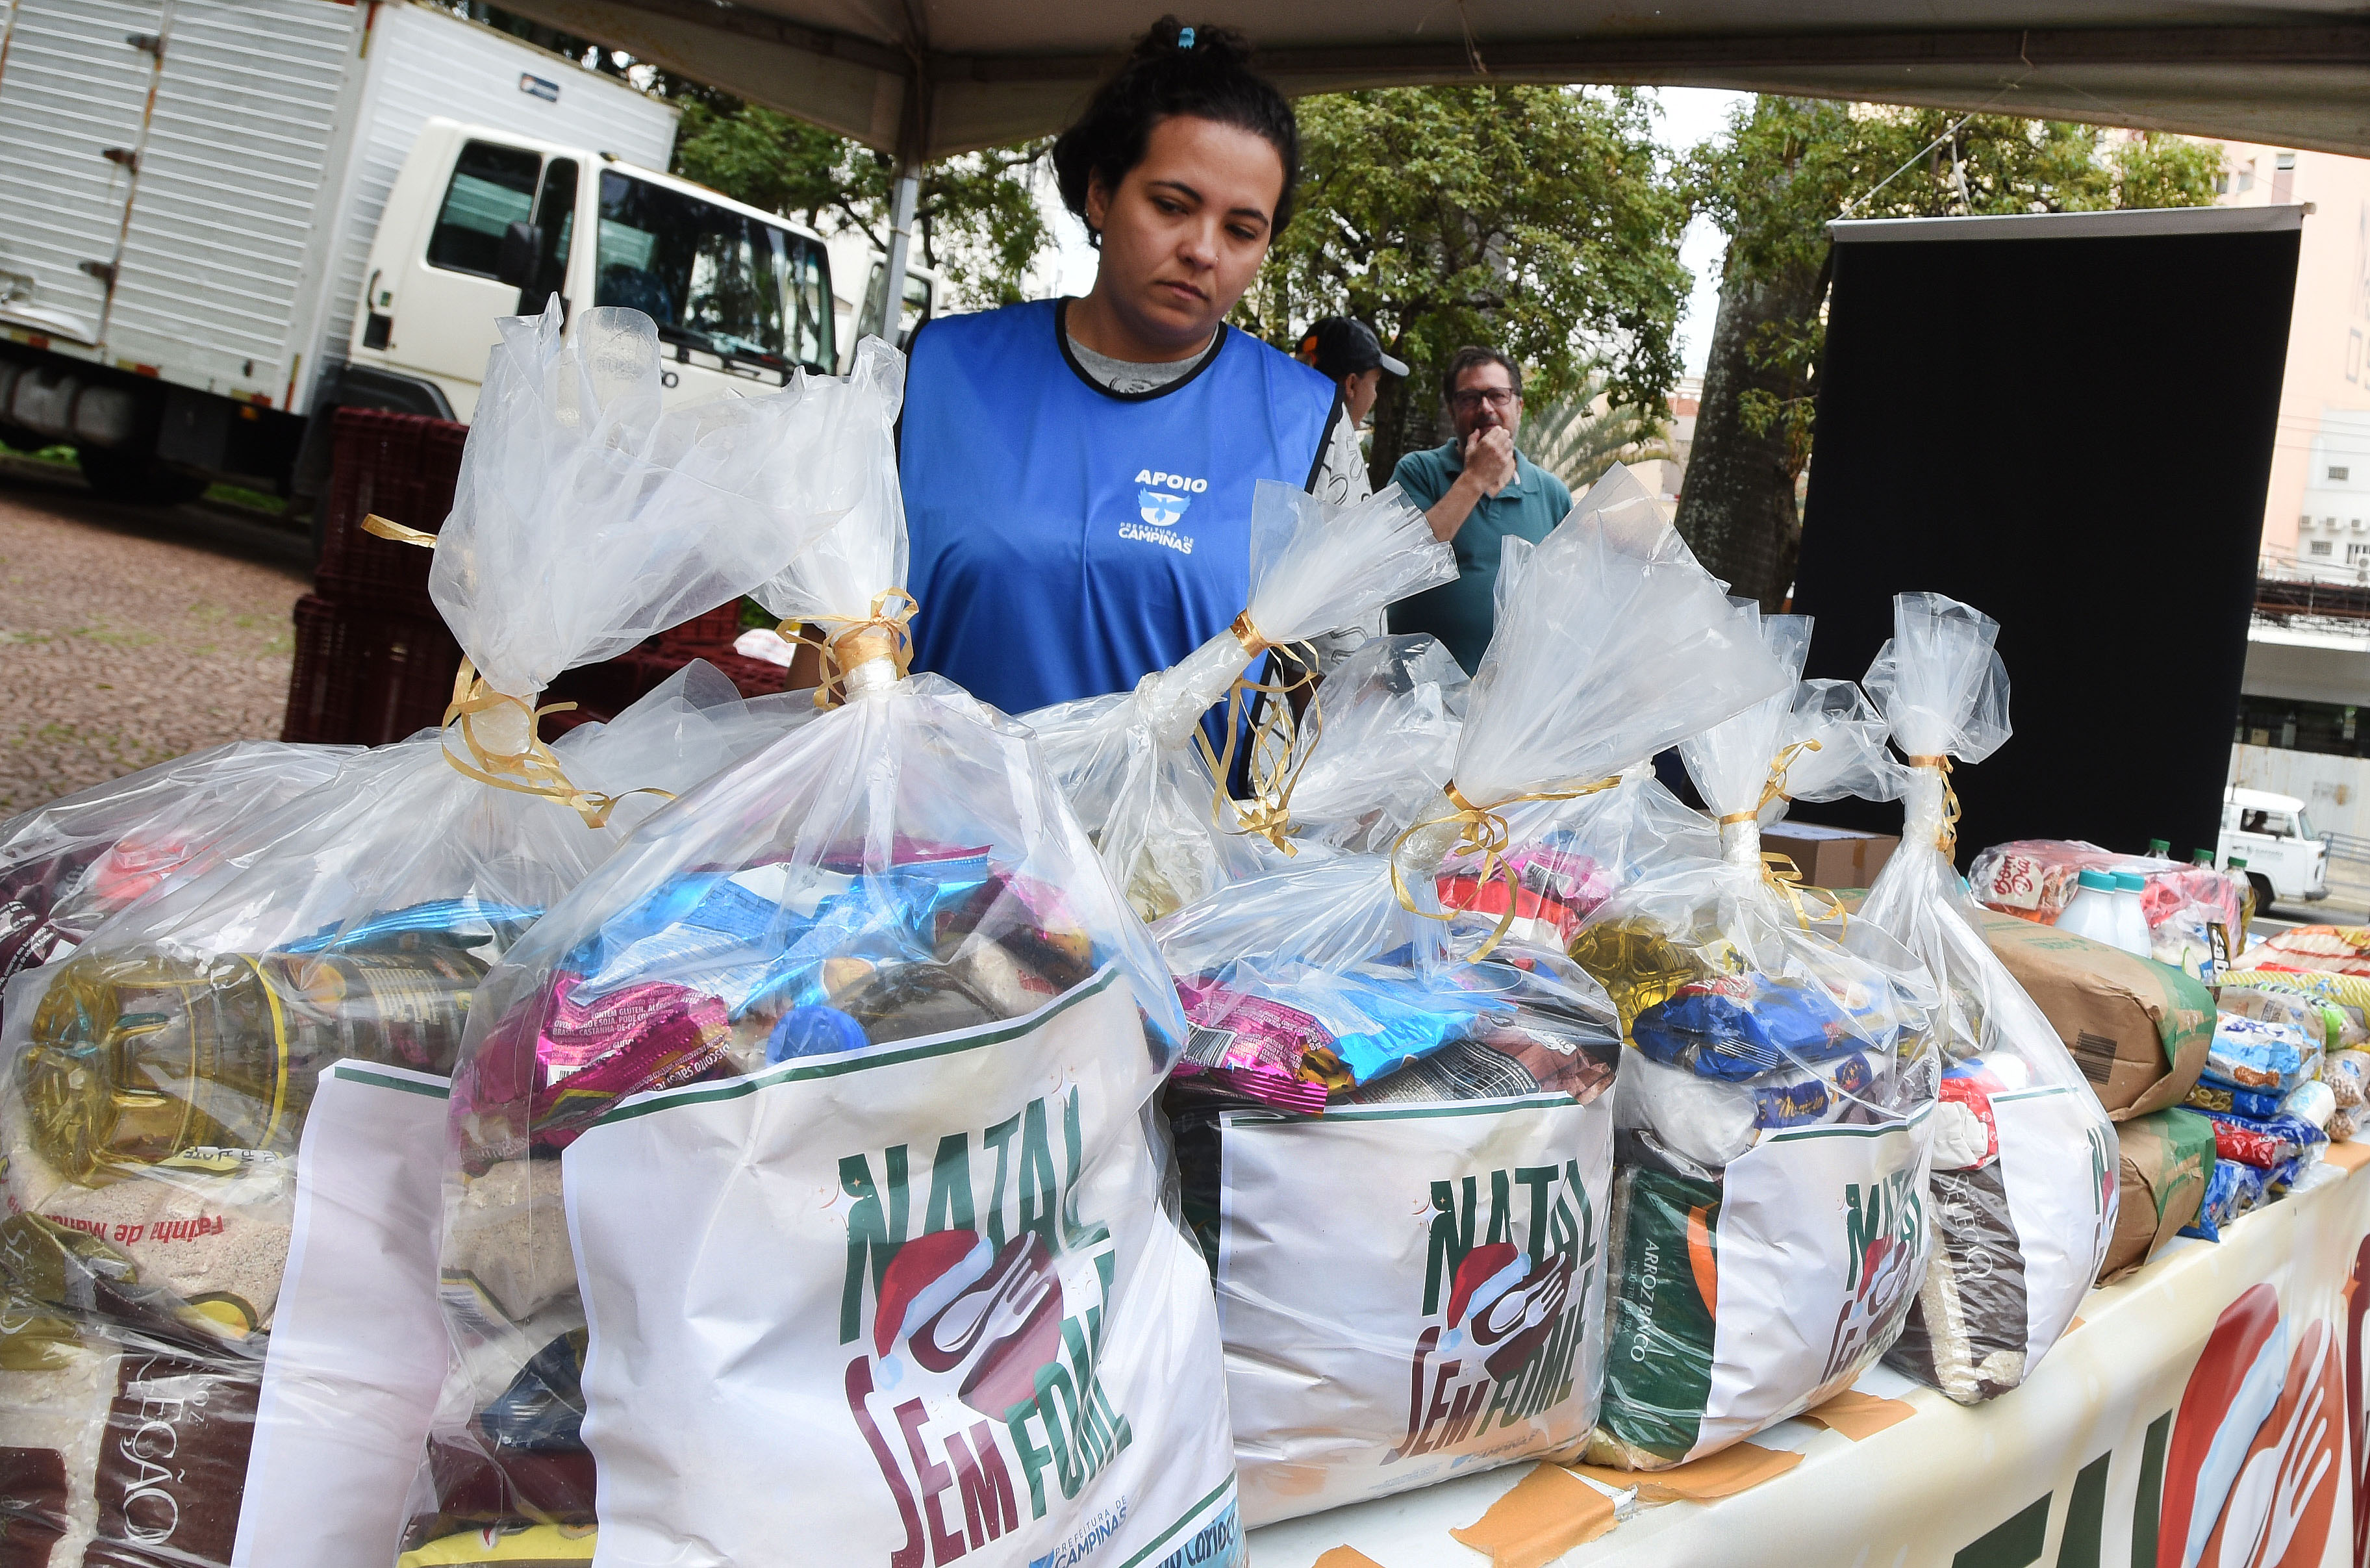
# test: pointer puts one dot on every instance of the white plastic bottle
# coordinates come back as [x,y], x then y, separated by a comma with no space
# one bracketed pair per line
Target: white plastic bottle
[2132,914]
[2092,913]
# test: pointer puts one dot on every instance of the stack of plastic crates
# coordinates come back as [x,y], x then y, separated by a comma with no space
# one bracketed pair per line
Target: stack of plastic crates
[374,661]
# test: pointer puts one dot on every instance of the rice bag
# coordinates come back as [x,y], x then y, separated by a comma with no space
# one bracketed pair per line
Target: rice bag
[2024,1184]
[68,865]
[1392,710]
[2260,1054]
[1126,761]
[2264,1141]
[230,1102]
[2346,995]
[864,1026]
[1447,1293]
[1812,1211]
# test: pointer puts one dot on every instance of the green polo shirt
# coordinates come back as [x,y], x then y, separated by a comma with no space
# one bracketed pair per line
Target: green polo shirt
[1458,612]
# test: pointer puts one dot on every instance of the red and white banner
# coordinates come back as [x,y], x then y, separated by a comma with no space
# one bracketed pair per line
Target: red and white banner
[2209,1412]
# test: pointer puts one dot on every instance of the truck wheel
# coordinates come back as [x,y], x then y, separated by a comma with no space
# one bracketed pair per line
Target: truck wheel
[2263,894]
[137,479]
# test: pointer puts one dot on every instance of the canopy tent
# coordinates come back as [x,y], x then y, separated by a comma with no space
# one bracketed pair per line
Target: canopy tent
[922,80]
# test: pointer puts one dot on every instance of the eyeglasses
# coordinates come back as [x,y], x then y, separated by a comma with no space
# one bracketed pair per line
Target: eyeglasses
[1472,398]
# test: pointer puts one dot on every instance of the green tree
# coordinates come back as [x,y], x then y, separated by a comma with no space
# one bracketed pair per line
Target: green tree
[976,220]
[1536,220]
[1782,171]
[1578,437]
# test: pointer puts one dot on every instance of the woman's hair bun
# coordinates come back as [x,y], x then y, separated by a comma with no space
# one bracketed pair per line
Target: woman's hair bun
[1208,76]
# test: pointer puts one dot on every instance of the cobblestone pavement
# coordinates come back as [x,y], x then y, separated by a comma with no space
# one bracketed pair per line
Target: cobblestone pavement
[129,635]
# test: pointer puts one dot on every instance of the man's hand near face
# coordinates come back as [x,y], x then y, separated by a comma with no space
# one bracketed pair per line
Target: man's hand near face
[1489,459]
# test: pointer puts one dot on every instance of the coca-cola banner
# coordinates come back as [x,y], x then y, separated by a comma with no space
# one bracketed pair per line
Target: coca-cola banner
[2209,1410]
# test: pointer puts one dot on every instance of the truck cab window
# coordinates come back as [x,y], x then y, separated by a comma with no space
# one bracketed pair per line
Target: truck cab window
[493,188]
[2254,822]
[555,215]
[711,278]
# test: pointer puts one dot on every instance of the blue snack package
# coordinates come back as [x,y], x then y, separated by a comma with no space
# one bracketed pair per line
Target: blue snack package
[2250,1053]
[2212,1093]
[2216,1211]
[460,922]
[2264,1142]
[1739,1026]
[814,1030]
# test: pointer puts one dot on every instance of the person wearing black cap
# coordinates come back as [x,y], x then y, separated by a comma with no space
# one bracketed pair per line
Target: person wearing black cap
[1347,353]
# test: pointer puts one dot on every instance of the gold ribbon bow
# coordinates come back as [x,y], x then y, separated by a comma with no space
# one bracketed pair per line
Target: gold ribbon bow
[1775,789]
[1276,757]
[1946,837]
[886,632]
[1780,873]
[1483,831]
[533,771]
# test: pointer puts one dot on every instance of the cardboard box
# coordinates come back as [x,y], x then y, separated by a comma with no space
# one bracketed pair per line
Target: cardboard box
[2164,1159]
[2137,1029]
[1831,857]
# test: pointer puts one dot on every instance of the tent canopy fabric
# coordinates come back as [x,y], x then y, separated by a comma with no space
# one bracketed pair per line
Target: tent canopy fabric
[926,79]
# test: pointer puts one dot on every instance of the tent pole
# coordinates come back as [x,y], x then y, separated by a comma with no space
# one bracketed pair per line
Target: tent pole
[901,240]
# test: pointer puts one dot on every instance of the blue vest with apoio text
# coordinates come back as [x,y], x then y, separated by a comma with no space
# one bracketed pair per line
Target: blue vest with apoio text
[1067,541]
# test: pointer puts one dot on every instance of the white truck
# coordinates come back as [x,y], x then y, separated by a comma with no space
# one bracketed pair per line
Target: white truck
[2284,857]
[220,220]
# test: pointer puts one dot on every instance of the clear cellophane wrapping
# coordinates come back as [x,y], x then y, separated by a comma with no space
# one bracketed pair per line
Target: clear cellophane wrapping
[2024,1186]
[1342,1044]
[1127,761]
[223,1116]
[1775,1107]
[814,1123]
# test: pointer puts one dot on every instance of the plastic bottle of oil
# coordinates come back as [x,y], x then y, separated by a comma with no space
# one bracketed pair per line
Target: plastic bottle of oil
[139,1058]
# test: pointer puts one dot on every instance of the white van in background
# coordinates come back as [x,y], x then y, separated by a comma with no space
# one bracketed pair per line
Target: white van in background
[2284,857]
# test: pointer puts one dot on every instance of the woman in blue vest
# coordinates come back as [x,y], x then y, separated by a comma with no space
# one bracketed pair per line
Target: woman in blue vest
[1078,473]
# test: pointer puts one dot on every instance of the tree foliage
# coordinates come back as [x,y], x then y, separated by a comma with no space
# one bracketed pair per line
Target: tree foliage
[977,220]
[1536,220]
[1783,170]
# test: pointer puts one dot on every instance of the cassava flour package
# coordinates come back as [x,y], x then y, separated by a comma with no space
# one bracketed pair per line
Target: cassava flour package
[1126,761]
[804,1203]
[2023,1193]
[1395,1134]
[224,1115]
[68,865]
[1768,1226]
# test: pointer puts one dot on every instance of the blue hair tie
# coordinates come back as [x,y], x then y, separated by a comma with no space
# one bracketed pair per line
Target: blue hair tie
[1184,38]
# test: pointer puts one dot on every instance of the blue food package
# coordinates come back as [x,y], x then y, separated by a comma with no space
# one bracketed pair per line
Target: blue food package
[1739,1026]
[2212,1093]
[2265,1142]
[2252,1052]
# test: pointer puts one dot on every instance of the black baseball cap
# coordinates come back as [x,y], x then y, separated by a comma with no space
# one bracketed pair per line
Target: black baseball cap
[1338,346]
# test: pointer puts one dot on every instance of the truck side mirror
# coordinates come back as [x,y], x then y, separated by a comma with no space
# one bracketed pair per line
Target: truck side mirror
[514,264]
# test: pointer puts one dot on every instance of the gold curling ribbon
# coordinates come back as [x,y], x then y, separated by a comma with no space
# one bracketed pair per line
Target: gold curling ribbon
[388,528]
[1483,831]
[535,771]
[1775,789]
[887,632]
[1946,837]
[1780,873]
[1274,770]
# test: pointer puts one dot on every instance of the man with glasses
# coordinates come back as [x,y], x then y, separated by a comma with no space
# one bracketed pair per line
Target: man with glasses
[1477,490]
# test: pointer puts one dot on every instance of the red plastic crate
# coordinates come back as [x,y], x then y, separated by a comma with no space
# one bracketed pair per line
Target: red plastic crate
[716,630]
[404,468]
[365,675]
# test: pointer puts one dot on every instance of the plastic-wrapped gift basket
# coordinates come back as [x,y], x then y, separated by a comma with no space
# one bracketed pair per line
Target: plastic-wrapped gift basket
[802,1188]
[2023,1192]
[223,1116]
[68,865]
[1394,1131]
[1127,762]
[1774,1110]
[1832,746]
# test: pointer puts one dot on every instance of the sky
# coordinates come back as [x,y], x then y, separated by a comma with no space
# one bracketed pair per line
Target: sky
[1690,115]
